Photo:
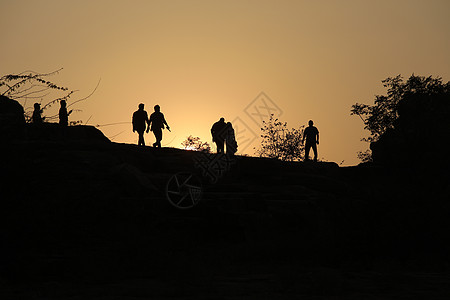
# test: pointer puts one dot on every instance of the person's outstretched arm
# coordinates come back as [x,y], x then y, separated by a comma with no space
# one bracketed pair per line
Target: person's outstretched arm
[165,122]
[167,125]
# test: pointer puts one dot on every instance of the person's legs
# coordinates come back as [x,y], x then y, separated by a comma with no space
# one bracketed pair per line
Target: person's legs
[141,141]
[314,147]
[231,147]
[158,136]
[220,145]
[307,147]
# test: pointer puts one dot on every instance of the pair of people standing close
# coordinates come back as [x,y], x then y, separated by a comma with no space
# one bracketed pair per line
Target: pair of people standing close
[63,114]
[37,131]
[155,123]
[223,134]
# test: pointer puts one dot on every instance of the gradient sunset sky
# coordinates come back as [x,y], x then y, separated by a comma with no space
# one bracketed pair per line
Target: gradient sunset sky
[202,60]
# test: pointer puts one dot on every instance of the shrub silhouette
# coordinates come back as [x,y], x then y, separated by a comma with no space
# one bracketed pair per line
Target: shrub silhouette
[194,143]
[279,142]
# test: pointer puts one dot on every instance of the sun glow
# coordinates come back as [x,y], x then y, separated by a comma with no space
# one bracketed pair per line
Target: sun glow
[190,148]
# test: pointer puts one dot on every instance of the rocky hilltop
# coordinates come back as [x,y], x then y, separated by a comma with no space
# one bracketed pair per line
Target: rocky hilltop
[86,218]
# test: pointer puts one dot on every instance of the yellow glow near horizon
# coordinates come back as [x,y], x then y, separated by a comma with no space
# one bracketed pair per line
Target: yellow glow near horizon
[201,60]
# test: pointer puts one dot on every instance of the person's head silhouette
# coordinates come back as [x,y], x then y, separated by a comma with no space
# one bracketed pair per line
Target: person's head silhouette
[311,123]
[37,106]
[157,108]
[222,120]
[63,103]
[141,106]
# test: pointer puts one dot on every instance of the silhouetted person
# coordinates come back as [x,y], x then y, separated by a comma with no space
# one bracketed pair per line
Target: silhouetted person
[140,121]
[156,124]
[311,134]
[37,118]
[230,139]
[63,114]
[218,132]
[63,118]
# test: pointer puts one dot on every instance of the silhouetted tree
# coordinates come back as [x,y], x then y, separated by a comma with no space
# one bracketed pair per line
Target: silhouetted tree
[416,99]
[279,142]
[194,143]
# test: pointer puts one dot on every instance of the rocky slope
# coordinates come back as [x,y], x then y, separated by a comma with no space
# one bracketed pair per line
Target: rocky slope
[85,218]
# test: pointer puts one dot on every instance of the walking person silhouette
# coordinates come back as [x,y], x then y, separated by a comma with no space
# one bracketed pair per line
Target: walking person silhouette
[218,132]
[157,122]
[311,134]
[140,121]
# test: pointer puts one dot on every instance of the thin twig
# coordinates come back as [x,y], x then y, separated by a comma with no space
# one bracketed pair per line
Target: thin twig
[40,74]
[118,123]
[31,93]
[30,88]
[112,137]
[98,83]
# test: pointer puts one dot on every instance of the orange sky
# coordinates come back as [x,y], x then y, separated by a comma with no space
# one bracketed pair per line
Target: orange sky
[200,60]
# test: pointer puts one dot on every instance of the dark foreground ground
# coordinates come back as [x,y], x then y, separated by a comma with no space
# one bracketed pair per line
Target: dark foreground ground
[90,220]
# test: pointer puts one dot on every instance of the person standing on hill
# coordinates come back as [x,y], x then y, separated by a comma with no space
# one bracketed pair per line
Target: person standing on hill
[218,132]
[63,118]
[157,122]
[140,120]
[37,118]
[230,139]
[311,134]
[63,114]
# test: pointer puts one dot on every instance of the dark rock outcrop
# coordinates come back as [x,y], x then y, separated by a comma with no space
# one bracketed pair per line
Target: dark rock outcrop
[12,120]
[54,132]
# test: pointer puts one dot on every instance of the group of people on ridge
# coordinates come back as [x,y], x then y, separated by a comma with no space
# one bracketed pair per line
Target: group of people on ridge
[222,132]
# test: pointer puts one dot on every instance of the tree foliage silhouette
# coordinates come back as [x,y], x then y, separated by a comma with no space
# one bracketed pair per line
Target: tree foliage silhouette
[280,142]
[194,143]
[383,115]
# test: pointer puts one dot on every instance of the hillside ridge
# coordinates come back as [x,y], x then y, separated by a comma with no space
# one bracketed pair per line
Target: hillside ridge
[90,210]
